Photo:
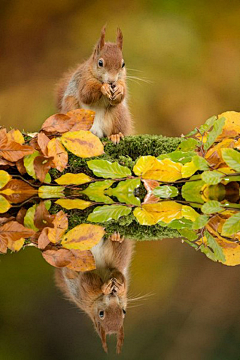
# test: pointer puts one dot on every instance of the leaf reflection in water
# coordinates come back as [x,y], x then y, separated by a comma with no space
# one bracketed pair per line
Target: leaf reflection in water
[86,226]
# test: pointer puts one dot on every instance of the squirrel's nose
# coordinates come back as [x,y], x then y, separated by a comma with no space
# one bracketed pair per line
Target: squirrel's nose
[112,84]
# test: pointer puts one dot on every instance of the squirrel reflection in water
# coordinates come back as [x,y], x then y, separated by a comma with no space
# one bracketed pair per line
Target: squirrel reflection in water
[102,293]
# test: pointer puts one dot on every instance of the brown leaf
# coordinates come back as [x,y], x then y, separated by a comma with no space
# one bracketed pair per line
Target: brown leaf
[43,141]
[5,218]
[82,261]
[150,184]
[58,123]
[20,166]
[59,154]
[20,215]
[3,245]
[41,166]
[58,257]
[4,162]
[15,231]
[83,119]
[17,191]
[43,239]
[42,218]
[13,151]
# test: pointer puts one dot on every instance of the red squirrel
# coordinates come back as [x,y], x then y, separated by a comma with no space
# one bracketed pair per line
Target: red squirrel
[99,84]
[102,293]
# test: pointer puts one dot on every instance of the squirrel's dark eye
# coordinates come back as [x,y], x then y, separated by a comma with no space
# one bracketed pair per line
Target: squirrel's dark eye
[124,312]
[123,64]
[100,63]
[101,314]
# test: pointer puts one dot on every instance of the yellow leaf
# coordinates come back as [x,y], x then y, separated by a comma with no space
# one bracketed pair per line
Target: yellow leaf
[144,164]
[4,205]
[189,169]
[83,237]
[150,214]
[237,144]
[59,154]
[16,245]
[165,170]
[189,213]
[82,143]
[15,135]
[4,178]
[73,204]
[231,127]
[75,179]
[202,138]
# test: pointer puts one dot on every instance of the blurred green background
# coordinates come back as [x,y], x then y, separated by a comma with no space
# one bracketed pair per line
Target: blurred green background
[189,53]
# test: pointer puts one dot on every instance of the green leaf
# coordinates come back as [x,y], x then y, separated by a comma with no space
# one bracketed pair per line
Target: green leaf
[200,162]
[212,177]
[108,212]
[4,205]
[212,243]
[188,145]
[231,158]
[28,163]
[4,178]
[180,224]
[178,156]
[191,191]
[95,191]
[188,169]
[231,225]
[188,234]
[125,191]
[208,124]
[211,207]
[200,222]
[29,218]
[208,252]
[214,133]
[107,169]
[46,192]
[165,191]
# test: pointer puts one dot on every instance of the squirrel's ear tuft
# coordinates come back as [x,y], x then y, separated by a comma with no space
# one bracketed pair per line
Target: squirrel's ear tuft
[120,338]
[119,38]
[101,42]
[103,339]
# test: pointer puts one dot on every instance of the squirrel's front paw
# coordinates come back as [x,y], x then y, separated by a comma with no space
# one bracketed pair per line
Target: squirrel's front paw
[118,93]
[106,91]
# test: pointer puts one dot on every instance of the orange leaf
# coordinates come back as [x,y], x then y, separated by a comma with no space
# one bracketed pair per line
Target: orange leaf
[58,257]
[82,261]
[83,119]
[59,154]
[43,141]
[17,191]
[58,123]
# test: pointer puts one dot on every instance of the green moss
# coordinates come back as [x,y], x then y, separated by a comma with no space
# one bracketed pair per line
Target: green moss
[126,152]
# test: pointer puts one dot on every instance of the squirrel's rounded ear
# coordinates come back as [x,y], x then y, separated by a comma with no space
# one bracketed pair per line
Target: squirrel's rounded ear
[119,38]
[101,42]
[120,338]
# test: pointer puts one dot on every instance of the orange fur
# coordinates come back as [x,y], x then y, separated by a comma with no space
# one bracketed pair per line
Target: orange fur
[83,87]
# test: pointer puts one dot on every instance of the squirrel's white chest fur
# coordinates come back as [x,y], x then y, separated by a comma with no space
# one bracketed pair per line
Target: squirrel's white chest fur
[101,120]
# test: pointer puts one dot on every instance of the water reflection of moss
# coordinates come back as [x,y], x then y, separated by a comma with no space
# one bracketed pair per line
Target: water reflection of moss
[126,225]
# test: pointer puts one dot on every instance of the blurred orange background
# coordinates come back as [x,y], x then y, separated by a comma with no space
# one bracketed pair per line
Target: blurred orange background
[188,56]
